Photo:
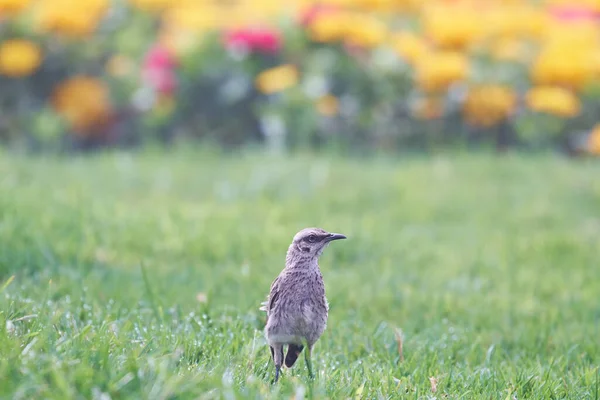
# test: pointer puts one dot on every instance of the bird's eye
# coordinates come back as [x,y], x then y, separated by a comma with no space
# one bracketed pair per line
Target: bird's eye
[312,238]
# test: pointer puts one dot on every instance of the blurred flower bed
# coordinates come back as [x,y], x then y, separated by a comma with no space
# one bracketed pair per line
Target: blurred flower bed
[350,74]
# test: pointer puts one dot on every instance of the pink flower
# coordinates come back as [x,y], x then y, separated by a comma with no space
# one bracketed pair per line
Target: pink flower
[573,13]
[254,40]
[159,57]
[161,80]
[266,40]
[238,38]
[158,70]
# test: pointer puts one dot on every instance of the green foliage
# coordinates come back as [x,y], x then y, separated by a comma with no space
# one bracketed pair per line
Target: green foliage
[488,265]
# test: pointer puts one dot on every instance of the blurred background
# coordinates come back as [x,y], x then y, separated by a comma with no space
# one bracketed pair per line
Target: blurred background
[354,75]
[139,274]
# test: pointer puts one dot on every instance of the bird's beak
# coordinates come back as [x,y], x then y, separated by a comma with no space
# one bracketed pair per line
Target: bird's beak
[335,236]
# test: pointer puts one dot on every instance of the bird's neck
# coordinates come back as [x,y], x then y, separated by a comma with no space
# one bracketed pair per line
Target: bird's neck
[296,259]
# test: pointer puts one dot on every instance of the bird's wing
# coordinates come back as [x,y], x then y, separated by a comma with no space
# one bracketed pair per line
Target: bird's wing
[272,297]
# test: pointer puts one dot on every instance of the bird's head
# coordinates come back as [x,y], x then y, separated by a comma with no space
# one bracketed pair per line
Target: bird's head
[310,242]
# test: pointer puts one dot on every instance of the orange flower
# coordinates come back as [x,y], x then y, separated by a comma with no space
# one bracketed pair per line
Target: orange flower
[593,142]
[438,70]
[428,107]
[553,100]
[277,79]
[328,105]
[330,27]
[358,29]
[12,7]
[365,31]
[451,26]
[488,105]
[83,101]
[508,49]
[19,58]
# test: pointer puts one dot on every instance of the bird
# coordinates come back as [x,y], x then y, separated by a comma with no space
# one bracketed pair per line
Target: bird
[296,307]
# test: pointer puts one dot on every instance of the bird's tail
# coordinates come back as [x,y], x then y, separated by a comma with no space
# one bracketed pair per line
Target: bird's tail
[293,352]
[263,306]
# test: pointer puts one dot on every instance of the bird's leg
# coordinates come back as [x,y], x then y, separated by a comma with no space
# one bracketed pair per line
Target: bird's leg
[277,372]
[307,358]
[277,351]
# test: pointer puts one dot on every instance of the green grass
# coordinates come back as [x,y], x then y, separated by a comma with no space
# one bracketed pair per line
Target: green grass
[489,265]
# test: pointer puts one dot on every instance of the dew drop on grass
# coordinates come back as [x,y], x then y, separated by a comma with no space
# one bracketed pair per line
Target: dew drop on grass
[300,391]
[10,327]
[227,378]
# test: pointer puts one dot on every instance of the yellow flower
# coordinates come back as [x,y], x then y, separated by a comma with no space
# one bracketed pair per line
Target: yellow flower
[330,27]
[564,63]
[151,5]
[164,106]
[12,7]
[193,16]
[184,24]
[508,49]
[248,12]
[567,56]
[518,20]
[596,57]
[19,58]
[488,105]
[451,26]
[277,79]
[83,101]
[365,31]
[385,5]
[328,105]
[119,65]
[582,32]
[409,46]
[70,17]
[593,142]
[438,70]
[178,41]
[553,100]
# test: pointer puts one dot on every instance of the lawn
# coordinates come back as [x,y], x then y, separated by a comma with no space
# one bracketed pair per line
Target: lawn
[129,277]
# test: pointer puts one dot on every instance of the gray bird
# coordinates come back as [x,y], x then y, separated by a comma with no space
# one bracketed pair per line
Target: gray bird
[296,306]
